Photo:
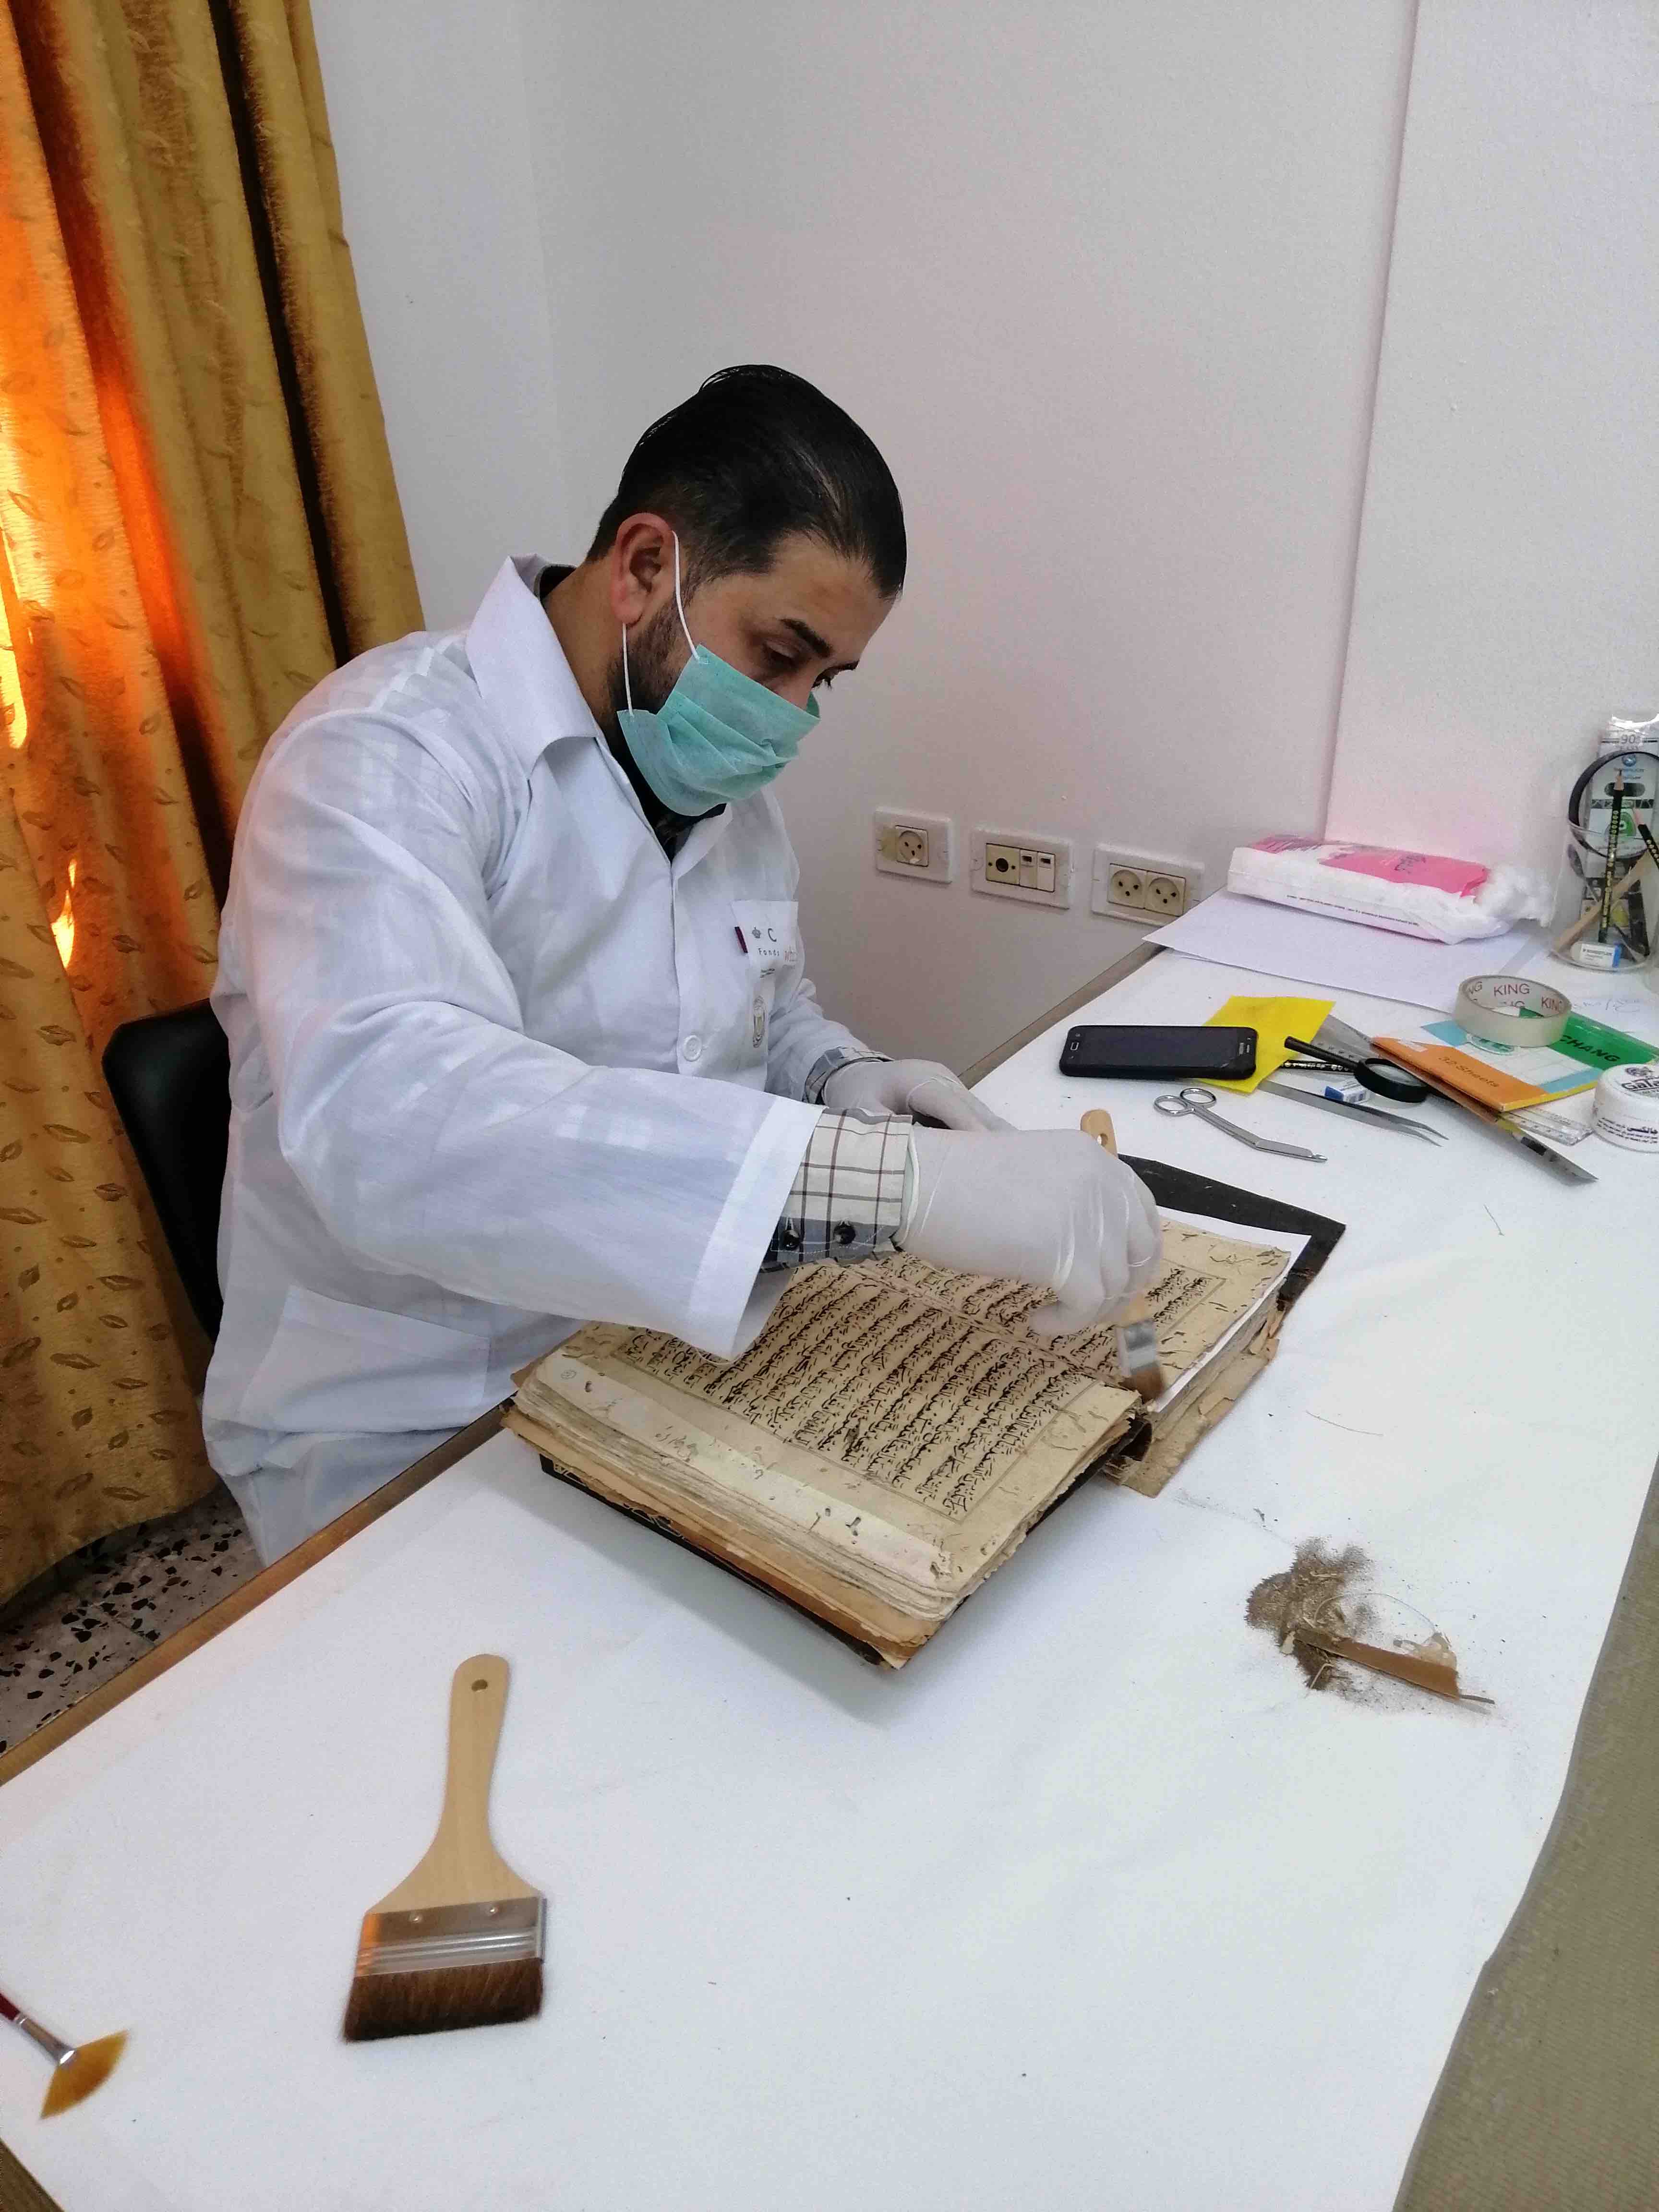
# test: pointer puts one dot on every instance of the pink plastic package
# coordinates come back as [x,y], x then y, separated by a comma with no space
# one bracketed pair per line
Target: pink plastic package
[1416,893]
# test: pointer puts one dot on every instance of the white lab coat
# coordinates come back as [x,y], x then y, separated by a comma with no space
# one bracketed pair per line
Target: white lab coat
[497,1067]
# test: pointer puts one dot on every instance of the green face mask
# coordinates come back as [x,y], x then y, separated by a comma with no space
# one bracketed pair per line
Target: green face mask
[718,736]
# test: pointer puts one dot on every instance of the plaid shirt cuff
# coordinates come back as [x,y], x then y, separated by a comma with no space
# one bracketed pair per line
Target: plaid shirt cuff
[839,1055]
[848,1197]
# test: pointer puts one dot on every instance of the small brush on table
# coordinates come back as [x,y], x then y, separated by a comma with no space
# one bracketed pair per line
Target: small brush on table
[77,2069]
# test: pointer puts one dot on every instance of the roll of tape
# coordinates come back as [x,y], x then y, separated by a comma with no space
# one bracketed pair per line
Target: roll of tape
[1512,1010]
[1626,1109]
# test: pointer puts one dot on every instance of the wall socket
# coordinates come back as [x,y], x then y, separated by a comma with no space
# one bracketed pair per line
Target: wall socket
[1018,864]
[921,846]
[1142,889]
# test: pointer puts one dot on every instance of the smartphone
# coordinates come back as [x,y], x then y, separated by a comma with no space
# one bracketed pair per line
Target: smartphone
[1121,1049]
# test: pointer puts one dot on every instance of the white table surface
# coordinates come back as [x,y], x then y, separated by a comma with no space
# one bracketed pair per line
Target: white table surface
[1095,1905]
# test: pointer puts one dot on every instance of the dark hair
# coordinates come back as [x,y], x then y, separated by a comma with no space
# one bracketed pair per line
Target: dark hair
[755,454]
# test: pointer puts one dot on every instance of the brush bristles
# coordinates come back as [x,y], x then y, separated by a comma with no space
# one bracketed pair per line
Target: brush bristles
[1149,1381]
[86,2068]
[1137,1353]
[429,2000]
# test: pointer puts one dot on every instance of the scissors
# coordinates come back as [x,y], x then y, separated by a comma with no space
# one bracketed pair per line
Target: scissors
[1196,1099]
[1338,1046]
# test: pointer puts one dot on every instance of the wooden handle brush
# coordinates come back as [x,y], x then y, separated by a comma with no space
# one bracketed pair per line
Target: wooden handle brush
[459,1942]
[77,2069]
[1137,1331]
[1640,876]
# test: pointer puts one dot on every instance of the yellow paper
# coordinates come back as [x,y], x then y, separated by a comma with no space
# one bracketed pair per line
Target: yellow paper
[1272,1020]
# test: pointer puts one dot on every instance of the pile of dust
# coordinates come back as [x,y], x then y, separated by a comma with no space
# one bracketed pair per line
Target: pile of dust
[1314,1597]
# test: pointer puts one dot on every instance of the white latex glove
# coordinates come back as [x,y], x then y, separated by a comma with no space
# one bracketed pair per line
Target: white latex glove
[908,1086]
[1048,1207]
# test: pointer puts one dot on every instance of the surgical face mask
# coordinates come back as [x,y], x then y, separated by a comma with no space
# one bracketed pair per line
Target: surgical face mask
[717,737]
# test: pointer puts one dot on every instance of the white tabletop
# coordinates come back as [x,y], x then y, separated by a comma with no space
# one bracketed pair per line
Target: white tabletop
[1095,1905]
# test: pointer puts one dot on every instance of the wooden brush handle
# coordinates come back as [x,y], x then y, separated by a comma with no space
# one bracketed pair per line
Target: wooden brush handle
[1592,915]
[462,1865]
[1098,1123]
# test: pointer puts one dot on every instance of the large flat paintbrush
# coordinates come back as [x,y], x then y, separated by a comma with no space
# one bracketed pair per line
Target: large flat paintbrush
[77,2069]
[1137,1331]
[459,1942]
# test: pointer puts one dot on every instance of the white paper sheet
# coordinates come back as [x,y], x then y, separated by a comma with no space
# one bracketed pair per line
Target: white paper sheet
[1095,1907]
[1342,955]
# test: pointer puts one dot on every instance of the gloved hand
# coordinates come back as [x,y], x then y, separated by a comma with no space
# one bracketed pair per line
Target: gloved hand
[906,1086]
[1048,1207]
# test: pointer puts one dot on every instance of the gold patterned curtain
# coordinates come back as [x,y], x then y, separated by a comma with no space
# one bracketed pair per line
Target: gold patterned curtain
[197,520]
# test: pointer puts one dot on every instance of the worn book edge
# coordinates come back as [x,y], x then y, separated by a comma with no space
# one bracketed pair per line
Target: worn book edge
[854,1614]
[881,1632]
[910,1551]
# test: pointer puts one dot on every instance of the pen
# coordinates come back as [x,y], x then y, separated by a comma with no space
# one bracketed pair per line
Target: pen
[1616,820]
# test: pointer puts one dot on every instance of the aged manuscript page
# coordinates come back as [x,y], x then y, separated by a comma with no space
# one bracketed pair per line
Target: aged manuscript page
[899,1441]
[896,1422]
[1210,1282]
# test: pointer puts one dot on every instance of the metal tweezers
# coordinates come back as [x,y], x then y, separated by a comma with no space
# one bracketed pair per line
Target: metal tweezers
[1363,1112]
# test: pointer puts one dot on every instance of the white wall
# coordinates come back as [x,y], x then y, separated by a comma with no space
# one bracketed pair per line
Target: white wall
[1105,283]
[428,114]
[1507,596]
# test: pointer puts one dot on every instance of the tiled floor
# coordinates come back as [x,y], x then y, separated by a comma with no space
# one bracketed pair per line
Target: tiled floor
[111,1603]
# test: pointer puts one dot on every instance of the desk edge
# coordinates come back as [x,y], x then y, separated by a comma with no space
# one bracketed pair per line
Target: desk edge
[1136,956]
[252,1592]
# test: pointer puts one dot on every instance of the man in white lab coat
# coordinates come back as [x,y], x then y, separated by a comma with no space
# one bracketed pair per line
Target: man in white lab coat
[520,1033]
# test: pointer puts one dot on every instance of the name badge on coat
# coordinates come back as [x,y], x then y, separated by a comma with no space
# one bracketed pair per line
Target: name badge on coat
[770,930]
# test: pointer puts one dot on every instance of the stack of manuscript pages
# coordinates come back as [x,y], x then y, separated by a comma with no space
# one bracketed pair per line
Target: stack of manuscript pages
[896,1430]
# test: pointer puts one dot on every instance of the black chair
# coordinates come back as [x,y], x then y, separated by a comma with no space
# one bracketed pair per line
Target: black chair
[169,1075]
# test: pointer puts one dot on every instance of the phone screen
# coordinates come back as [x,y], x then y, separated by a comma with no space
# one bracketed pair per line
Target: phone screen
[1122,1048]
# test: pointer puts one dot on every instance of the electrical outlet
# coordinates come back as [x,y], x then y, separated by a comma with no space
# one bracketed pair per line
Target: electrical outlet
[1131,887]
[920,846]
[1013,864]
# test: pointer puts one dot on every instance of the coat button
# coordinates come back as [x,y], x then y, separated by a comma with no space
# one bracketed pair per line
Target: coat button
[692,1048]
[845,1232]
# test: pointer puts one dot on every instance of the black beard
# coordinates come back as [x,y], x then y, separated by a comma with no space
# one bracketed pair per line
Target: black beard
[652,668]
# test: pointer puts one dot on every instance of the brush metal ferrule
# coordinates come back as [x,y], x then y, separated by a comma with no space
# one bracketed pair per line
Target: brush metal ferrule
[43,2038]
[1137,1343]
[453,1936]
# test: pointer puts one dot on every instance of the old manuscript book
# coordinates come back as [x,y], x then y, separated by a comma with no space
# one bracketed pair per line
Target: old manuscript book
[894,1431]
